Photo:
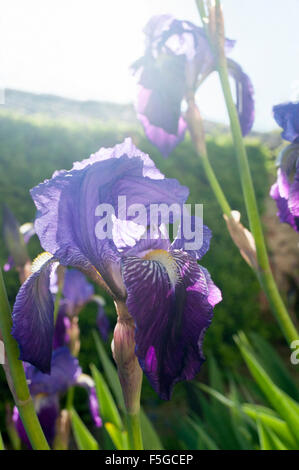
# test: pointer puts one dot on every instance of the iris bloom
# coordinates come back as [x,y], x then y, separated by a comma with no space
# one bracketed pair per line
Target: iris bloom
[46,390]
[169,297]
[285,191]
[177,60]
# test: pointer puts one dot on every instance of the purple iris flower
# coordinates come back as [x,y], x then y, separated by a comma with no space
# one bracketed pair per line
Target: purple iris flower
[285,191]
[46,390]
[177,59]
[167,294]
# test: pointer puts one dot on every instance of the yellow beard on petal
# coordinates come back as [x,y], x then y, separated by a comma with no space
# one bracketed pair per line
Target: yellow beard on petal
[164,257]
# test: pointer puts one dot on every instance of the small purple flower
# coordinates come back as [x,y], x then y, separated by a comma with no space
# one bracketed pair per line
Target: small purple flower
[169,297]
[177,59]
[46,390]
[285,191]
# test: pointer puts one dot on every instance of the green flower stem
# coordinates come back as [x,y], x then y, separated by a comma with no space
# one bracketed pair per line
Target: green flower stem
[134,431]
[264,273]
[16,376]
[196,130]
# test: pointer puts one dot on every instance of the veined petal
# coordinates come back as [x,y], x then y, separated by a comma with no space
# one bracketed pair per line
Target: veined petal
[33,322]
[244,96]
[168,300]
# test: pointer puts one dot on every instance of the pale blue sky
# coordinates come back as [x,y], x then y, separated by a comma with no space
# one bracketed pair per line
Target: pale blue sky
[83,48]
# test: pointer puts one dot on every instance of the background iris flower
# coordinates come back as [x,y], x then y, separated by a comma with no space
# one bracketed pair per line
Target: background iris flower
[46,390]
[285,191]
[177,59]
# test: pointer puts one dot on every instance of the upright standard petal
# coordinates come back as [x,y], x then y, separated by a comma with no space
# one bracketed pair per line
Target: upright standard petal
[171,323]
[244,96]
[67,205]
[33,322]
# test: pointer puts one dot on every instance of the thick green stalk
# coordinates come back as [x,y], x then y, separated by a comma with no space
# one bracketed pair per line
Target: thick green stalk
[134,431]
[264,271]
[16,376]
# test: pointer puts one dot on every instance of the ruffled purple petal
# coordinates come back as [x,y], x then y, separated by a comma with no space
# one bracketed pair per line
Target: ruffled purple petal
[65,371]
[168,298]
[287,116]
[77,290]
[244,96]
[125,148]
[33,322]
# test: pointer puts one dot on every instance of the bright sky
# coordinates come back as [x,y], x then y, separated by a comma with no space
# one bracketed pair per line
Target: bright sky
[82,49]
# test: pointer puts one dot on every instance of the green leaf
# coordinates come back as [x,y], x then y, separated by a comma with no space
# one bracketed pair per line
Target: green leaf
[84,439]
[119,438]
[1,443]
[109,411]
[268,439]
[151,440]
[270,419]
[209,443]
[110,371]
[286,407]
[274,366]
[264,438]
